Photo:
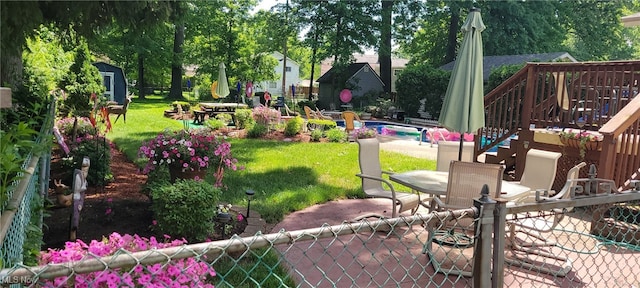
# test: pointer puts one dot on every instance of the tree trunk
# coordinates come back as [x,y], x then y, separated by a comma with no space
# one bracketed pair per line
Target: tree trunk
[452,42]
[141,92]
[384,52]
[11,68]
[313,65]
[176,66]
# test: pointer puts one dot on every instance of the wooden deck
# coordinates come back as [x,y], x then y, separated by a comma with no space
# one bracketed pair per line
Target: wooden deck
[593,96]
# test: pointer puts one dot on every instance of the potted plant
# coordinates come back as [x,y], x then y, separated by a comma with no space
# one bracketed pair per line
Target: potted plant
[188,154]
[582,140]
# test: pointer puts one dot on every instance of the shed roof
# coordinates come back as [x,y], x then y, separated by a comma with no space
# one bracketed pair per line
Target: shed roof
[351,70]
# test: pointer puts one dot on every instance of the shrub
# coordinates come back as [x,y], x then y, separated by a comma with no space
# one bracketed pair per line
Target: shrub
[316,135]
[45,63]
[257,130]
[215,124]
[303,103]
[322,124]
[244,118]
[81,81]
[422,82]
[225,118]
[185,209]
[83,126]
[185,105]
[98,150]
[294,126]
[15,145]
[336,135]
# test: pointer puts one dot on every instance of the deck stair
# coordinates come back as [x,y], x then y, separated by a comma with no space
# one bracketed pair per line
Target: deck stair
[506,155]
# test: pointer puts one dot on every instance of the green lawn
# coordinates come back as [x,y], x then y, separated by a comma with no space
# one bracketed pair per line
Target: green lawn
[285,176]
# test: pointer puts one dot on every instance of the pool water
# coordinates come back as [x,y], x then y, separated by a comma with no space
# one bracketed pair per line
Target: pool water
[404,131]
[412,132]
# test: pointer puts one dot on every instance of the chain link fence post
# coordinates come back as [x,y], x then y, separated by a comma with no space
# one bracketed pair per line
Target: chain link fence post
[484,231]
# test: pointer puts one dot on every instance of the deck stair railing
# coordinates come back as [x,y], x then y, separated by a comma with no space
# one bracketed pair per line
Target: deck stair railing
[620,156]
[503,112]
[584,96]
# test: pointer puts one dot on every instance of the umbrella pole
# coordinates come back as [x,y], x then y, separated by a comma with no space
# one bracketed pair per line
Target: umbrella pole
[460,149]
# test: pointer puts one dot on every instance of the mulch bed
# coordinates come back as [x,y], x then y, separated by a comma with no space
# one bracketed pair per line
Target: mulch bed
[130,208]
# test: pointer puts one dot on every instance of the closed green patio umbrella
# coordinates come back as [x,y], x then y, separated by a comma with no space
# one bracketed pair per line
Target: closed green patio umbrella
[222,89]
[463,105]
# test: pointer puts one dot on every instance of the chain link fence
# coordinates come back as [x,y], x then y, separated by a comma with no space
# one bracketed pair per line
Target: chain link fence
[592,241]
[33,185]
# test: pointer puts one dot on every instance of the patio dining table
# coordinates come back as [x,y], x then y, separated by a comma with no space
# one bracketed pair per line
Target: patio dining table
[435,183]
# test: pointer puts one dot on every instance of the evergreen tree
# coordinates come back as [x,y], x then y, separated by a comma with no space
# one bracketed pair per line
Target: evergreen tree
[82,80]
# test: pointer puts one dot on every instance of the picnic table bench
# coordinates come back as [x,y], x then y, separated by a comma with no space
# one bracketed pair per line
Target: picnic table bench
[198,116]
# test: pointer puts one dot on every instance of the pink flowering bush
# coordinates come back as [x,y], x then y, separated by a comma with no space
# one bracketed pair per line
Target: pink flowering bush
[83,126]
[364,132]
[189,151]
[187,272]
[265,115]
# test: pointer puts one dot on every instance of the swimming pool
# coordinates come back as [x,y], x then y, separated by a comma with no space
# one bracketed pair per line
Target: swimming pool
[408,131]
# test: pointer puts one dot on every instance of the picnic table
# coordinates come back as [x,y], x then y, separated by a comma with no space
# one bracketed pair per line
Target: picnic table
[212,109]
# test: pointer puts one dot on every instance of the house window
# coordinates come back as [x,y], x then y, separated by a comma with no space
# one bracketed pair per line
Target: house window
[287,69]
[273,84]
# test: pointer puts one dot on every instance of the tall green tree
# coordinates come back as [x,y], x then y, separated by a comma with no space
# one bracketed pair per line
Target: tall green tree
[593,29]
[589,30]
[225,31]
[398,21]
[340,33]
[140,45]
[175,92]
[18,19]
[81,82]
[384,50]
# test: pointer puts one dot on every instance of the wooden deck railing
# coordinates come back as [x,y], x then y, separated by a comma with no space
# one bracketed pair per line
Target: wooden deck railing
[619,159]
[503,110]
[587,95]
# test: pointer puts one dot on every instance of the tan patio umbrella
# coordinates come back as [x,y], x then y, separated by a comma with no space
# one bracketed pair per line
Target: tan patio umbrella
[463,105]
[222,88]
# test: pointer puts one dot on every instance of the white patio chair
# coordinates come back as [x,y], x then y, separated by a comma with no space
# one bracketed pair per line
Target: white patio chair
[535,226]
[465,183]
[540,169]
[371,175]
[448,151]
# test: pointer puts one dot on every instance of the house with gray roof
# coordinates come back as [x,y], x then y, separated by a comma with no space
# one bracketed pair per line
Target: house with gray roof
[361,80]
[397,65]
[492,62]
